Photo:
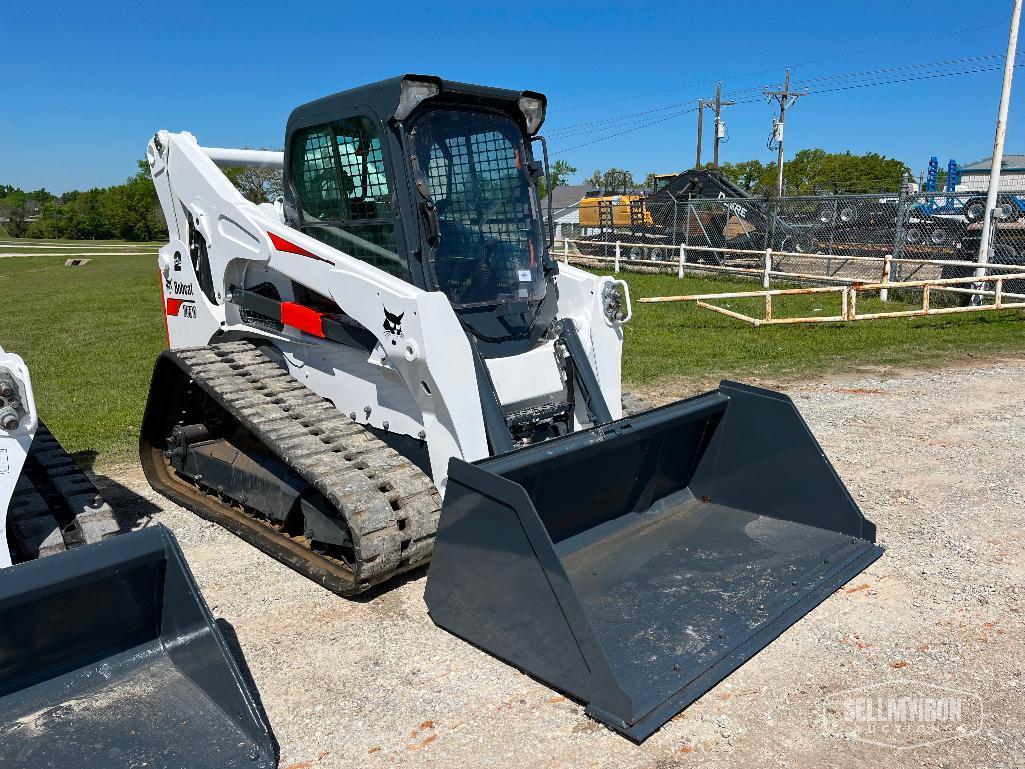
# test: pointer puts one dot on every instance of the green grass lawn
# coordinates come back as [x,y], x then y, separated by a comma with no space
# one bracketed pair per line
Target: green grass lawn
[90,335]
[12,243]
[667,343]
[71,248]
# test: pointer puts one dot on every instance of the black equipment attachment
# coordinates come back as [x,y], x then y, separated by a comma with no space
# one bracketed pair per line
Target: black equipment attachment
[109,657]
[637,564]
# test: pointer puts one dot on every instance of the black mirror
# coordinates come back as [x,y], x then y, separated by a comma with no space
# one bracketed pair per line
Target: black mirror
[548,186]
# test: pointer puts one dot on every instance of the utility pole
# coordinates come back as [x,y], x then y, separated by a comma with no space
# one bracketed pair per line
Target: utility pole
[998,142]
[719,131]
[786,98]
[701,112]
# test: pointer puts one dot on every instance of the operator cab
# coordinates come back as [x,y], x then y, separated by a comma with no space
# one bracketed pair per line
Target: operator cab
[661,181]
[434,182]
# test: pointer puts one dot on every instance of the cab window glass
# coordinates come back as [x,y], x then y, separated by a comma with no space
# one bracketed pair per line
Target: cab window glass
[490,246]
[339,176]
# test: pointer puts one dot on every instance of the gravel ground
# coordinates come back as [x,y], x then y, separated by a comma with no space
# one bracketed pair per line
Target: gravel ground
[932,458]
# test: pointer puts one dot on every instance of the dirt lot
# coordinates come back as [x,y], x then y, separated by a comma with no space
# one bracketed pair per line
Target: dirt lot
[933,458]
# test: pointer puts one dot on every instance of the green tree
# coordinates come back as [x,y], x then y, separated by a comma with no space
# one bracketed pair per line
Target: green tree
[750,175]
[130,211]
[15,210]
[617,181]
[257,185]
[559,171]
[813,171]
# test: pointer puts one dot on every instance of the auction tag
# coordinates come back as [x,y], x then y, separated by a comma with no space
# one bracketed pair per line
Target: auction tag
[5,466]
[525,276]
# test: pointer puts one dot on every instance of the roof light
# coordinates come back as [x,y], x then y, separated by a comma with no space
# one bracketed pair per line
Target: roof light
[411,93]
[533,109]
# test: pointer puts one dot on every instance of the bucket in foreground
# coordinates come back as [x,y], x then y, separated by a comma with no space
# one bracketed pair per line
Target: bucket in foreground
[109,657]
[636,565]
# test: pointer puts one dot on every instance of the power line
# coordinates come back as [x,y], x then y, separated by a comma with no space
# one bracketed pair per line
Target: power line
[638,128]
[846,87]
[884,70]
[776,69]
[910,79]
[590,126]
[628,130]
[586,125]
[903,42]
[614,119]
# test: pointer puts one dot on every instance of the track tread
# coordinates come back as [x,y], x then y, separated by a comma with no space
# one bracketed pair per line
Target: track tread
[390,505]
[55,506]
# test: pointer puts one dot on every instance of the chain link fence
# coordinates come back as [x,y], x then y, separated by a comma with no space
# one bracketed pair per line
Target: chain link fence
[834,239]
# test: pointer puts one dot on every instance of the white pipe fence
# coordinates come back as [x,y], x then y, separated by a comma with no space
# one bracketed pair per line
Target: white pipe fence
[762,264]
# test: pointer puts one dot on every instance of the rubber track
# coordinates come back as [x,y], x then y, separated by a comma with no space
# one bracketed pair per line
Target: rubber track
[55,507]
[390,506]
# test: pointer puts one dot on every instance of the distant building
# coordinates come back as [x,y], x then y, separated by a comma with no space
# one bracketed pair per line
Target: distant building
[566,205]
[975,176]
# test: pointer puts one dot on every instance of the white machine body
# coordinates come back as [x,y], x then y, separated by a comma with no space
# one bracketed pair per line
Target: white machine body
[18,421]
[419,379]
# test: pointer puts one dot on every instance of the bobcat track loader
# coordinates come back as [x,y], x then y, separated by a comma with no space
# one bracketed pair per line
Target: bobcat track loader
[394,333]
[108,655]
[49,504]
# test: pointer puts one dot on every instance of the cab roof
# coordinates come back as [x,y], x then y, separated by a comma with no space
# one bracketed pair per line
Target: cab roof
[382,98]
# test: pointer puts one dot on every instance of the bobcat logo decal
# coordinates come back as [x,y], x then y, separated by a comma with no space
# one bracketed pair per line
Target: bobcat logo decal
[392,323]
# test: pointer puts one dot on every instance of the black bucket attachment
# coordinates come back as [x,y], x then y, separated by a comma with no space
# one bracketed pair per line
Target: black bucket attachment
[635,566]
[109,658]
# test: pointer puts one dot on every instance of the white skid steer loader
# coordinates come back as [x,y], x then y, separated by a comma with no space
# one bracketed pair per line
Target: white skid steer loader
[394,332]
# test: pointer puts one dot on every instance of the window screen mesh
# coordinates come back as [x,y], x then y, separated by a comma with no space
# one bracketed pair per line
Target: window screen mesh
[316,176]
[340,178]
[489,248]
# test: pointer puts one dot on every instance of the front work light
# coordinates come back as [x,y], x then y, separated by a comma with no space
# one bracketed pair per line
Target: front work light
[411,93]
[533,110]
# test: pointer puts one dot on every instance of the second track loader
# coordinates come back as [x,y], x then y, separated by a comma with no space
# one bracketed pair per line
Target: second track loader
[47,504]
[391,344]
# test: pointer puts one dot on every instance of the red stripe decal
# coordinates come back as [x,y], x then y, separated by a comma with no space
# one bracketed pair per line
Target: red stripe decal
[302,318]
[173,305]
[280,244]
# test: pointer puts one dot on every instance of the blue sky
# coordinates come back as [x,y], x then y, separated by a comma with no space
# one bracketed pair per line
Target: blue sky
[86,84]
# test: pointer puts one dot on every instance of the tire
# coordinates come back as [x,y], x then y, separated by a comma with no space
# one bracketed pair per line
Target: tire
[798,244]
[914,236]
[825,215]
[634,404]
[1007,210]
[850,213]
[939,236]
[974,210]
